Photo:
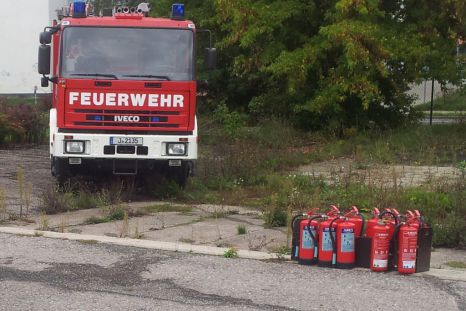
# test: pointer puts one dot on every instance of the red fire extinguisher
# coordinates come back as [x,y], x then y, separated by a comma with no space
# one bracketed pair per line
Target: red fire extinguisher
[325,241]
[405,241]
[295,227]
[308,248]
[372,222]
[343,243]
[357,219]
[380,246]
[325,249]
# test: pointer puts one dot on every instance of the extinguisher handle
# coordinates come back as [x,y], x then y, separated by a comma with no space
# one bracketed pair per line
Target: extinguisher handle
[333,238]
[390,213]
[333,210]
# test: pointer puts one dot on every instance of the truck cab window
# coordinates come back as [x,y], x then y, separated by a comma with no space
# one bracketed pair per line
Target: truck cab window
[126,52]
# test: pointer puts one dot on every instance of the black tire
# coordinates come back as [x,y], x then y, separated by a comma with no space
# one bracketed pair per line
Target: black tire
[61,171]
[180,174]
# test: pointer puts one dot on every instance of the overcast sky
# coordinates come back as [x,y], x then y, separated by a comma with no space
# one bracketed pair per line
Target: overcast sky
[21,24]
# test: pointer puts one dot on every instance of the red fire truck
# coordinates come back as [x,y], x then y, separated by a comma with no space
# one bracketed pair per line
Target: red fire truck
[123,92]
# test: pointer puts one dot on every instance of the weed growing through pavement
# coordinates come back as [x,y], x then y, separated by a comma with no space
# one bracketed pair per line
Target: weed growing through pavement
[124,228]
[43,222]
[38,234]
[457,264]
[137,234]
[231,253]
[27,196]
[116,213]
[21,189]
[63,224]
[3,210]
[241,229]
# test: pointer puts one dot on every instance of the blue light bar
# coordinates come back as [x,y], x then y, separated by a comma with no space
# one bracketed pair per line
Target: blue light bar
[79,9]
[98,118]
[178,11]
[155,119]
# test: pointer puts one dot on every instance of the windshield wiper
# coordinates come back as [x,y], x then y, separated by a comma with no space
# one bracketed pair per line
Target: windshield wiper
[95,75]
[149,76]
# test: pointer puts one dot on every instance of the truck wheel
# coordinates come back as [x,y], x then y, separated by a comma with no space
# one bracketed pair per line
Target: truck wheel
[180,174]
[61,171]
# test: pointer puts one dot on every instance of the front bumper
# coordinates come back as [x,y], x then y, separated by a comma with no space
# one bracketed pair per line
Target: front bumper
[100,146]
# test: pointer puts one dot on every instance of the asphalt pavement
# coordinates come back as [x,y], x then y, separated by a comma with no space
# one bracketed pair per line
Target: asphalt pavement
[38,273]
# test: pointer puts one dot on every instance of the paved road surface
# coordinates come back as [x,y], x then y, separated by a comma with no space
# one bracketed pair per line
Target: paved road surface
[45,274]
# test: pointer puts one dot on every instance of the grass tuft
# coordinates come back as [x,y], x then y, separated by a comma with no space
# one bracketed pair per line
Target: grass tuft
[457,264]
[231,253]
[241,229]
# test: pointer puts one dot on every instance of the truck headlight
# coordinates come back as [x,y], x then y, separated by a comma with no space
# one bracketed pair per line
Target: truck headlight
[176,149]
[74,146]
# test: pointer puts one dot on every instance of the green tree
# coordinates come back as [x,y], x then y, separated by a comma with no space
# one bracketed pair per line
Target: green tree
[335,63]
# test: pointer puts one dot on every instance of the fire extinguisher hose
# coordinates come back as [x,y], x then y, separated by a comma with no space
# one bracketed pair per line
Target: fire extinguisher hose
[296,218]
[313,237]
[332,238]
[363,223]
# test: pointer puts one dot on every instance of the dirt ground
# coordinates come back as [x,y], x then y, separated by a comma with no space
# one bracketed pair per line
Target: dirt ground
[34,161]
[387,176]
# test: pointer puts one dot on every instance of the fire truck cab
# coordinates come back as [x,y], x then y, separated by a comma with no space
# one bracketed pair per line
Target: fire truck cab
[123,92]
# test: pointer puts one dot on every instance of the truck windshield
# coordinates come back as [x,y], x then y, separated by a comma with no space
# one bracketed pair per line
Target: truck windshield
[127,53]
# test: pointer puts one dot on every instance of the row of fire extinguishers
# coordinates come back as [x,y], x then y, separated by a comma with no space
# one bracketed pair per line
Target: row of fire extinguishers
[388,241]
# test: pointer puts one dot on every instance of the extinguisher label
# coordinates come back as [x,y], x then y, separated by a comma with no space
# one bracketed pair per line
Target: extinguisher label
[377,263]
[408,251]
[308,242]
[380,246]
[326,240]
[409,264]
[347,241]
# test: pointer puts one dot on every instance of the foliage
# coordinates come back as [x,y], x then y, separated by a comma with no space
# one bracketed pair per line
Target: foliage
[241,229]
[262,179]
[442,144]
[117,213]
[231,253]
[23,122]
[327,64]
[275,216]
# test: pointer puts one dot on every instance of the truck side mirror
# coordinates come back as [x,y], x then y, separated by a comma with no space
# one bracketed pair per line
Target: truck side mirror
[44,59]
[210,60]
[45,37]
[44,82]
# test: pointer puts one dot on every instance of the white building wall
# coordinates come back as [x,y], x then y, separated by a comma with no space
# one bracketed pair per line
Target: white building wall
[20,25]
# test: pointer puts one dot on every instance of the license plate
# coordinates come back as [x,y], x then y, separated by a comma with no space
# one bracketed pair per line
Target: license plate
[126,140]
[75,161]
[174,163]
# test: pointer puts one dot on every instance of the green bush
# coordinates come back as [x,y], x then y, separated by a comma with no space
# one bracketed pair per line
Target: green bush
[23,122]
[275,216]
